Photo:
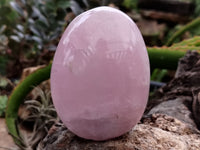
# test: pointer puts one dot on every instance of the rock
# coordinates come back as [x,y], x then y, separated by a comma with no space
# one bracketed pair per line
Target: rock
[158,131]
[188,64]
[175,108]
[181,92]
[196,107]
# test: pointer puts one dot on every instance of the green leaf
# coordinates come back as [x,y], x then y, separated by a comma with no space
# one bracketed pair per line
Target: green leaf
[3,63]
[2,2]
[63,4]
[17,7]
[130,4]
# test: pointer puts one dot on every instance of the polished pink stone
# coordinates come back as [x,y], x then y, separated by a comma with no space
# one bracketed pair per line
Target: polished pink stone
[100,74]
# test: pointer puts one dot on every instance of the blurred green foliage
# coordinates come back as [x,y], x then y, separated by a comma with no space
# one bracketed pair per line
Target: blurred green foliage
[41,24]
[8,19]
[3,103]
[130,4]
[197,9]
[158,74]
[3,62]
[29,27]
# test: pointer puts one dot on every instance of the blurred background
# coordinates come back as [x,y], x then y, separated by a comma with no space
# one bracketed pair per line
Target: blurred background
[30,31]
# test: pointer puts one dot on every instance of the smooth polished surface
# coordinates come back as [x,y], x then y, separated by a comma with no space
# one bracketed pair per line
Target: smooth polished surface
[100,74]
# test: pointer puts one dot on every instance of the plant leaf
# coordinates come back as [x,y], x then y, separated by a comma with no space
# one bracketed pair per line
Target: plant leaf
[17,8]
[3,102]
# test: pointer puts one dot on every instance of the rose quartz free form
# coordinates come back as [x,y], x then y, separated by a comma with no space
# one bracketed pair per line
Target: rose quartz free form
[100,74]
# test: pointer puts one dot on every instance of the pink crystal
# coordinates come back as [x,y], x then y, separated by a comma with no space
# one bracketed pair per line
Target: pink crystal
[100,74]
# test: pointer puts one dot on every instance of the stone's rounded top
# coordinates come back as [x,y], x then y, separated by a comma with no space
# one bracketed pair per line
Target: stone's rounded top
[105,9]
[100,74]
[97,18]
